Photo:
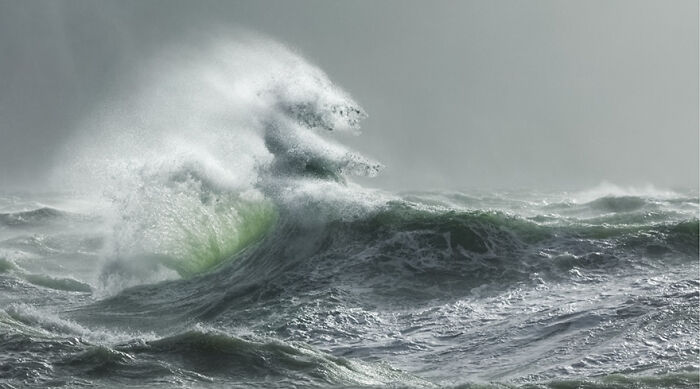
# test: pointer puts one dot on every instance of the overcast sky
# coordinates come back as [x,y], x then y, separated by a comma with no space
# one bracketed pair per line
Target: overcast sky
[461,94]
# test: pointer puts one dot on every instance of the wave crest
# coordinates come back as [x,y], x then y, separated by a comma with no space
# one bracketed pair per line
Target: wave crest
[192,163]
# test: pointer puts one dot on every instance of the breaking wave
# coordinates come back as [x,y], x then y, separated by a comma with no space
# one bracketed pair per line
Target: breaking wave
[193,167]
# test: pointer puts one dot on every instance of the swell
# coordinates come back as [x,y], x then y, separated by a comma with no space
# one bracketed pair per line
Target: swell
[311,279]
[31,217]
[195,356]
[400,244]
[402,255]
[263,360]
[688,379]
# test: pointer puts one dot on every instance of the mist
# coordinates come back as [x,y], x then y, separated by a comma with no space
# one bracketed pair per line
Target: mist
[471,94]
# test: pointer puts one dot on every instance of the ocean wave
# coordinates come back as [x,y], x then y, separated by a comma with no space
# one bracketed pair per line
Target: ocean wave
[679,380]
[402,254]
[191,169]
[31,217]
[260,361]
[74,354]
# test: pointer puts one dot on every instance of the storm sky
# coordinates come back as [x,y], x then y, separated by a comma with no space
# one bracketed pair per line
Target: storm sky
[461,94]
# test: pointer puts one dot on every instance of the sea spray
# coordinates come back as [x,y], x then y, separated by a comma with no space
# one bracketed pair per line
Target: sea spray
[191,165]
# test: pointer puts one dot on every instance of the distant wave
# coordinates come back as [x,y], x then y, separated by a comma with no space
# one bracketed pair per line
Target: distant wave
[31,217]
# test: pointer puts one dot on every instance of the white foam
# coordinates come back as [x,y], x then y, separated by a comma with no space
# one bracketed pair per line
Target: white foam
[607,189]
[194,130]
[53,324]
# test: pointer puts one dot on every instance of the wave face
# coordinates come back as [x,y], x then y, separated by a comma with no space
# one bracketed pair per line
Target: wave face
[208,233]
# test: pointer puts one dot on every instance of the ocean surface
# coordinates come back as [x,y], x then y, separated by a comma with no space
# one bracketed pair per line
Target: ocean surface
[207,232]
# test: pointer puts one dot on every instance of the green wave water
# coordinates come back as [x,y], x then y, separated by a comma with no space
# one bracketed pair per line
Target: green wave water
[204,244]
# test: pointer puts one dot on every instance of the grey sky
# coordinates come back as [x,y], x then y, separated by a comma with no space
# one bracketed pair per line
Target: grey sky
[461,94]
